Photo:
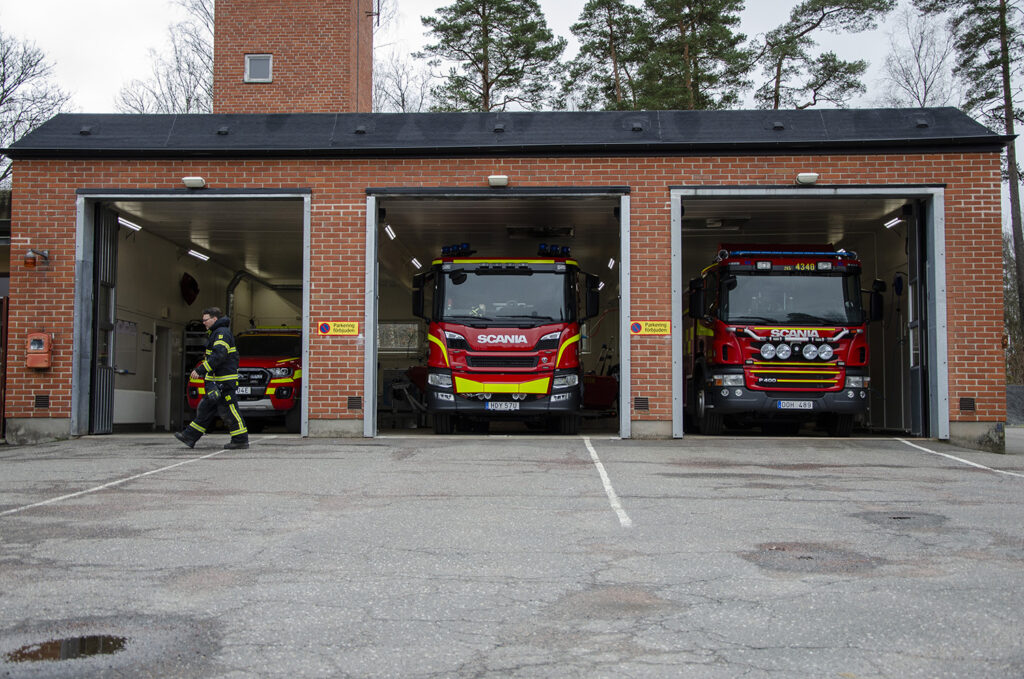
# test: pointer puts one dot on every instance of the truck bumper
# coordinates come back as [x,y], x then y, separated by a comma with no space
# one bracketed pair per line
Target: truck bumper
[785,405]
[561,402]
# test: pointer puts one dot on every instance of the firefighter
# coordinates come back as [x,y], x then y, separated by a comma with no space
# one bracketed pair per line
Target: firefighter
[219,371]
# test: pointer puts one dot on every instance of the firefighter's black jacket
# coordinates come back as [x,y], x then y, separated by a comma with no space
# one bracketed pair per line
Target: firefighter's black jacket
[221,361]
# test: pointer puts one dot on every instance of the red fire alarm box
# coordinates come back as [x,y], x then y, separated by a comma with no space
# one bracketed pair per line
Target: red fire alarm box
[38,350]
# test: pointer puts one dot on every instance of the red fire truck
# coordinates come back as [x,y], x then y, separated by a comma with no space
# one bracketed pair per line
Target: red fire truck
[776,335]
[504,338]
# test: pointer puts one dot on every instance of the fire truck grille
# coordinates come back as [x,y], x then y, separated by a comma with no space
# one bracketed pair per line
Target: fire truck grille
[253,377]
[501,361]
[779,377]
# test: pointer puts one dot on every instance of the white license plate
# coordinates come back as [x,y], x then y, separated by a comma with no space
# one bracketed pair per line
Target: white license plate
[243,391]
[796,405]
[502,405]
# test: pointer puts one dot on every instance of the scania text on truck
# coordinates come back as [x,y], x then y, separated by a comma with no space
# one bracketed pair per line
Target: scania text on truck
[504,338]
[776,335]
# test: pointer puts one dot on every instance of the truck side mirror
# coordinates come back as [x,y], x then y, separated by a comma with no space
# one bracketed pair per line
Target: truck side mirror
[417,295]
[696,309]
[593,296]
[877,303]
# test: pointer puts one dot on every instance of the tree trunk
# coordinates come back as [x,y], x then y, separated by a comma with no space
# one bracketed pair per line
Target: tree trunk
[1011,156]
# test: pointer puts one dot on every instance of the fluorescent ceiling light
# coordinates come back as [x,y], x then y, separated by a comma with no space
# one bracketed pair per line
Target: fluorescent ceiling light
[130,225]
[611,263]
[600,286]
[416,263]
[198,255]
[389,231]
[893,222]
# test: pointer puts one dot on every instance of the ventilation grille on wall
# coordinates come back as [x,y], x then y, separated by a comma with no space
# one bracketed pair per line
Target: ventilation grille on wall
[42,401]
[967,405]
[355,402]
[641,403]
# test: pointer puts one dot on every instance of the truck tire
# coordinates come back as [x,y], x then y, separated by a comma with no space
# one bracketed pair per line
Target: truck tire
[293,420]
[443,424]
[840,426]
[709,424]
[569,425]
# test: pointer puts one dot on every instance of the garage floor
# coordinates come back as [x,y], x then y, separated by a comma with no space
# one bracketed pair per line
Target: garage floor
[512,557]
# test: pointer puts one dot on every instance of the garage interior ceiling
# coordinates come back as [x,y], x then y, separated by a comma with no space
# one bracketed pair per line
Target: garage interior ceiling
[264,236]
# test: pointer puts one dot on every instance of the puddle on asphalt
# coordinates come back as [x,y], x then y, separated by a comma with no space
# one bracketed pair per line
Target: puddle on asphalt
[68,649]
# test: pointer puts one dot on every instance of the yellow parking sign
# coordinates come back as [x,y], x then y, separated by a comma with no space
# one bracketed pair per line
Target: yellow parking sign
[337,328]
[650,328]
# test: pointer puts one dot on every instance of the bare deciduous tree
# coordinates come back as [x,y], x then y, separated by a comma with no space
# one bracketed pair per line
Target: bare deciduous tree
[28,95]
[919,68]
[400,85]
[182,79]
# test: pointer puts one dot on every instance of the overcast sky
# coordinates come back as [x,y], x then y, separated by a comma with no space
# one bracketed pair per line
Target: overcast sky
[96,47]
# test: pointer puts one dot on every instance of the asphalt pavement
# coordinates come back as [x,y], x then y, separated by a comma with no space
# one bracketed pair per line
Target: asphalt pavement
[511,556]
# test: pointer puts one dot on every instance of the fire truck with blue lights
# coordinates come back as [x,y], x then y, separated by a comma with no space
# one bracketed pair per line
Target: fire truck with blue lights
[504,337]
[777,336]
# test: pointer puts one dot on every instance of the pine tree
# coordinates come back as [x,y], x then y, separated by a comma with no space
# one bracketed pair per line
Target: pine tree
[499,54]
[795,79]
[603,74]
[989,41]
[694,57]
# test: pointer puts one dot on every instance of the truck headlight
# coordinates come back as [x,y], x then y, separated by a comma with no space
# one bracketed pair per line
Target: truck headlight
[784,351]
[443,380]
[857,382]
[767,351]
[455,341]
[563,381]
[825,352]
[728,380]
[280,372]
[810,351]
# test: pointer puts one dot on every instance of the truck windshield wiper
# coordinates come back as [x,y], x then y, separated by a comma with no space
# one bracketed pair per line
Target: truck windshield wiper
[808,318]
[466,317]
[753,319]
[528,317]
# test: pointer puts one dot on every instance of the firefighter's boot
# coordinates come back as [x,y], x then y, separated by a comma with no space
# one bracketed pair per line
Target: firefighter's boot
[238,443]
[186,438]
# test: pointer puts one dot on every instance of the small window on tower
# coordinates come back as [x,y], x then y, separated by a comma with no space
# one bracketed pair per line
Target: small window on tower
[259,68]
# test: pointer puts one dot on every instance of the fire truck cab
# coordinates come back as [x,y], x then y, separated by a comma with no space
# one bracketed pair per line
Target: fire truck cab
[504,338]
[776,336]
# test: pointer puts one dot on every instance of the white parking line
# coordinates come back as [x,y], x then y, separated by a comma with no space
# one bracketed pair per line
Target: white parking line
[118,482]
[960,459]
[624,519]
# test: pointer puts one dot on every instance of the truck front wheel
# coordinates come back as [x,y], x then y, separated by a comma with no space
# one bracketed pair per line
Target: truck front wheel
[709,423]
[840,426]
[569,425]
[443,424]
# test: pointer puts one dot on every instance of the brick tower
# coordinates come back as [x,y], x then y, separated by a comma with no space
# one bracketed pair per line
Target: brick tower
[293,56]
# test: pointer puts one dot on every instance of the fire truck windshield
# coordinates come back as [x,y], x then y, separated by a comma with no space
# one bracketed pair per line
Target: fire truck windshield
[791,299]
[505,299]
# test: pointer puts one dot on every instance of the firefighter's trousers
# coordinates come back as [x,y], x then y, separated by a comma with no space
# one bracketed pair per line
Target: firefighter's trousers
[227,407]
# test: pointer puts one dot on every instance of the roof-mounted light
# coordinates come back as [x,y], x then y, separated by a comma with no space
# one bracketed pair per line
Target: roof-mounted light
[824,266]
[764,265]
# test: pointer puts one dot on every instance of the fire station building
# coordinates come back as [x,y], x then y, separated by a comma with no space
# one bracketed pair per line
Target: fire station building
[313,213]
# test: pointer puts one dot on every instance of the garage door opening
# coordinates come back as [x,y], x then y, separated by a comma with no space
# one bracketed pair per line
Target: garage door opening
[896,236]
[413,230]
[150,264]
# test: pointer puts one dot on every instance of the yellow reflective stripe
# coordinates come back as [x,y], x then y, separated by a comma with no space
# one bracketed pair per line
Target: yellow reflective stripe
[222,378]
[798,372]
[558,359]
[298,374]
[228,346]
[704,331]
[285,360]
[467,386]
[444,349]
[197,427]
[507,261]
[281,380]
[207,366]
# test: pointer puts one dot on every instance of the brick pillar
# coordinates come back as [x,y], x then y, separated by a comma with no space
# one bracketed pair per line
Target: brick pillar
[321,51]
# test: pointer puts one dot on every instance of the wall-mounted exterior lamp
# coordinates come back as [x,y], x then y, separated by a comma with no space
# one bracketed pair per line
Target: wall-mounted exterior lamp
[194,182]
[33,256]
[807,179]
[497,180]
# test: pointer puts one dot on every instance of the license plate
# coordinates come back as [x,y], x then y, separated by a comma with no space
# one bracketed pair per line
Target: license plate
[243,391]
[502,405]
[796,405]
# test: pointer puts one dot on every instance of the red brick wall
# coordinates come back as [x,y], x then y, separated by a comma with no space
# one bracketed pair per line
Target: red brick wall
[44,217]
[323,56]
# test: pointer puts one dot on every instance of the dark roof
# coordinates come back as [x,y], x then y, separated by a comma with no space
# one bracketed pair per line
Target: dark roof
[521,133]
